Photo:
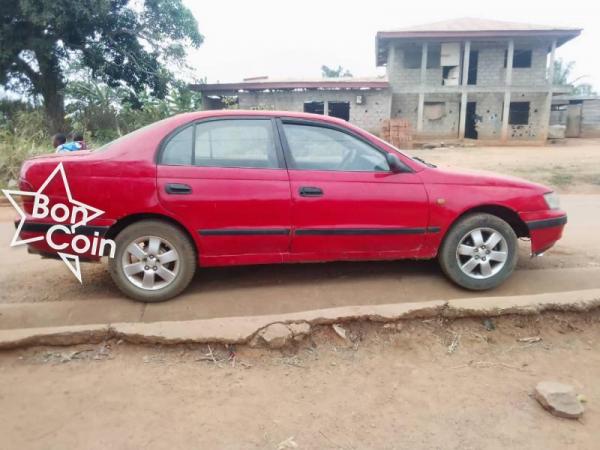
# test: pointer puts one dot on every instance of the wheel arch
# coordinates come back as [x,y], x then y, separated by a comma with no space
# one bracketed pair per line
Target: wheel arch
[126,221]
[505,213]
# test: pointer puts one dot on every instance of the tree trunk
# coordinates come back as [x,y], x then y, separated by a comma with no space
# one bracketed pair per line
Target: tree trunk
[51,86]
[54,108]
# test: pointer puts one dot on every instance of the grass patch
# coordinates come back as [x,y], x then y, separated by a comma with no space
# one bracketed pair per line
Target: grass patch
[593,178]
[561,179]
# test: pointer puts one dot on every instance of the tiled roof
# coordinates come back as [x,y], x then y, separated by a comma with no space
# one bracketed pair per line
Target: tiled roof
[471,28]
[473,24]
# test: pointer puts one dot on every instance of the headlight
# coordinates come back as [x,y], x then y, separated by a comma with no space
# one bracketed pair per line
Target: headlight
[552,201]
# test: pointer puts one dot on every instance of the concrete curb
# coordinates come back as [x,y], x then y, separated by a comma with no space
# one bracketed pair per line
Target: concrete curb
[240,330]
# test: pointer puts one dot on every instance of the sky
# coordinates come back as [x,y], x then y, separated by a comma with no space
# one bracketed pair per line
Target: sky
[285,39]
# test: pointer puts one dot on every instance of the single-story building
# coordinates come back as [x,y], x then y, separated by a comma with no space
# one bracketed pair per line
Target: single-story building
[579,114]
[362,101]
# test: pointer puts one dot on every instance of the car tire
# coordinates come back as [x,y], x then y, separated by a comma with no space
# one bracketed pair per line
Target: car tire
[154,261]
[479,252]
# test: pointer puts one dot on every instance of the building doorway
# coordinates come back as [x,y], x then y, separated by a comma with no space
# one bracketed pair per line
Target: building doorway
[574,119]
[341,110]
[471,119]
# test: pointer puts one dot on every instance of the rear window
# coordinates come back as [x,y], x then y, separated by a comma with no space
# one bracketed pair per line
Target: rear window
[244,143]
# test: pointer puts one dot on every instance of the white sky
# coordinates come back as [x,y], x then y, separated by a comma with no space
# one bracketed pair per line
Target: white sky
[285,39]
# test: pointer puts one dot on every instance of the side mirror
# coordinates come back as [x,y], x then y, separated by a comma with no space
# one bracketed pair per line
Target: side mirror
[396,165]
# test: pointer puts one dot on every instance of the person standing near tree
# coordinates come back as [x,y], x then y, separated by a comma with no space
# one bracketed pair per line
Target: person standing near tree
[78,139]
[58,140]
[75,143]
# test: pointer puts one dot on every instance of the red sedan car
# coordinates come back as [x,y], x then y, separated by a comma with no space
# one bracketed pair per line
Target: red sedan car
[220,188]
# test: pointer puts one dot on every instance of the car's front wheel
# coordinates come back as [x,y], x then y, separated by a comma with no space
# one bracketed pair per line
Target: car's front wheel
[154,261]
[479,252]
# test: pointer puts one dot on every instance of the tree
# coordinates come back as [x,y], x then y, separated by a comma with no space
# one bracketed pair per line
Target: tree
[328,72]
[562,76]
[125,43]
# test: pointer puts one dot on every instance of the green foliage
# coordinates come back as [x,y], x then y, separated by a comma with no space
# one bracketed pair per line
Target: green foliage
[102,113]
[123,42]
[328,72]
[22,135]
[563,76]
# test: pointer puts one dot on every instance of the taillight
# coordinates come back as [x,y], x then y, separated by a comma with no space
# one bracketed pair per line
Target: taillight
[26,200]
[25,185]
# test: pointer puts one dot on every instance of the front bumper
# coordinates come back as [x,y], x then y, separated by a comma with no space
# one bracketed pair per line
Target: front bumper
[545,228]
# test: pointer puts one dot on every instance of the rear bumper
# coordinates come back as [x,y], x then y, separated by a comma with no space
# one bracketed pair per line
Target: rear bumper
[545,228]
[41,247]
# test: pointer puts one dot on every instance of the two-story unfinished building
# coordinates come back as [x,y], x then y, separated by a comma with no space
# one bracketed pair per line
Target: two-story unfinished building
[463,78]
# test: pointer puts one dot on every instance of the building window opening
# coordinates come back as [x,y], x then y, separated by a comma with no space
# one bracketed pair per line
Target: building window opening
[518,113]
[473,63]
[314,107]
[341,110]
[412,57]
[434,110]
[521,59]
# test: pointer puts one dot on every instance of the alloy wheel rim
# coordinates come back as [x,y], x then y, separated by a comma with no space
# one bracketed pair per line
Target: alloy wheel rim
[150,263]
[482,253]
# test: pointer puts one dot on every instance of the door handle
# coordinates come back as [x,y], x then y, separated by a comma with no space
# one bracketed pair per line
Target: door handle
[310,191]
[178,188]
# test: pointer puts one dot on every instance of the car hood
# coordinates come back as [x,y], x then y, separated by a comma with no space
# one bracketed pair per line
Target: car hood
[477,178]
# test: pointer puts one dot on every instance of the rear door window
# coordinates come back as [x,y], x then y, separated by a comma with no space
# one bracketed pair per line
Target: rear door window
[244,143]
[236,143]
[178,151]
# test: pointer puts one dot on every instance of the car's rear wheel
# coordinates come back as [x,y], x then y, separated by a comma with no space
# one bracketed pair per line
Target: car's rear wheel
[479,252]
[154,261]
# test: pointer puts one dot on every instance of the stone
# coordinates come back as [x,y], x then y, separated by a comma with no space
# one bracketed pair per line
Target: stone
[489,324]
[276,335]
[557,131]
[558,398]
[340,331]
[299,330]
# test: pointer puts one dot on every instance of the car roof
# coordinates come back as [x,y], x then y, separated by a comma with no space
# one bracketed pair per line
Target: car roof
[260,113]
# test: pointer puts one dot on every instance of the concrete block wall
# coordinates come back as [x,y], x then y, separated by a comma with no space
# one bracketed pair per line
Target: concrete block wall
[369,115]
[491,70]
[401,78]
[590,119]
[447,126]
[405,106]
[488,108]
[490,67]
[536,129]
[490,73]
[489,111]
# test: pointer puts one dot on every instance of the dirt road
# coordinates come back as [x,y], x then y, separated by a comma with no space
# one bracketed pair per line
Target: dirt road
[417,384]
[390,389]
[573,264]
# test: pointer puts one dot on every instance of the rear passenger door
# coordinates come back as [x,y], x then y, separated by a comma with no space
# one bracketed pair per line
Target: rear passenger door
[226,180]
